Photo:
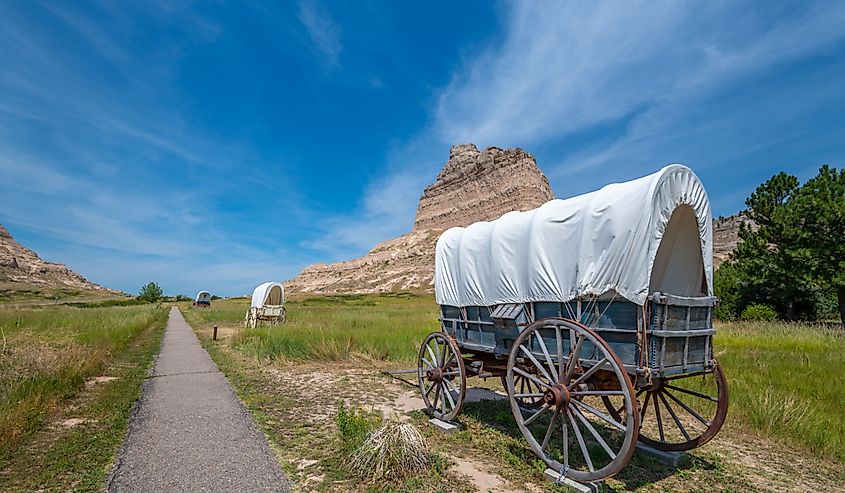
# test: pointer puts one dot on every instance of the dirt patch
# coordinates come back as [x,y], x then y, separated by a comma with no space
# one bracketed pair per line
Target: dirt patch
[97,380]
[71,422]
[482,479]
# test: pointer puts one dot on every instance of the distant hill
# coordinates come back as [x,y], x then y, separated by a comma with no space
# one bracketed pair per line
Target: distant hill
[472,186]
[24,275]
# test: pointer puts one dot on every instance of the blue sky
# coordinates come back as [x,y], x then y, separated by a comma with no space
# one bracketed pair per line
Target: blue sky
[216,145]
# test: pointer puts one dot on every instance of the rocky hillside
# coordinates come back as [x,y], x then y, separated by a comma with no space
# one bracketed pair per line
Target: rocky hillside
[20,266]
[472,186]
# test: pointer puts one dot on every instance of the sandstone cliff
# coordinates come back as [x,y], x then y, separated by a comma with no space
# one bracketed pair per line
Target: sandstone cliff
[479,186]
[20,266]
[472,186]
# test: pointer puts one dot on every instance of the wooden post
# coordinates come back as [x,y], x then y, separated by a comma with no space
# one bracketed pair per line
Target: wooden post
[214,335]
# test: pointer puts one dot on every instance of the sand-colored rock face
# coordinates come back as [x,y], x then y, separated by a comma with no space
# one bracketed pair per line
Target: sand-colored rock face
[19,264]
[481,185]
[726,236]
[473,186]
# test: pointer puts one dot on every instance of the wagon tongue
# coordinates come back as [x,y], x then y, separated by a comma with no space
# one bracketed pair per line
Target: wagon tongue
[557,395]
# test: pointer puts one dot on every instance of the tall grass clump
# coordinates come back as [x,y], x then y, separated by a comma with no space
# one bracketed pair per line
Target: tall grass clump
[46,354]
[785,381]
[377,450]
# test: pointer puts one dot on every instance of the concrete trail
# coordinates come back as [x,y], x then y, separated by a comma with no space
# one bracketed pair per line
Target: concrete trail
[190,431]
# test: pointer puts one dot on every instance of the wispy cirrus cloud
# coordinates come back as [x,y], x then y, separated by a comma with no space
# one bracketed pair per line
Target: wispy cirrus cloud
[323,31]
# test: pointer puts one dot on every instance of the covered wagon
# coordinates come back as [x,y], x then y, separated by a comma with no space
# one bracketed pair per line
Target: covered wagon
[597,314]
[268,304]
[203,299]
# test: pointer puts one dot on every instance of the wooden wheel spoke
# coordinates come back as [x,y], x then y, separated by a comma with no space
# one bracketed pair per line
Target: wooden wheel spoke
[601,415]
[549,430]
[448,393]
[573,357]
[581,443]
[659,420]
[674,416]
[560,366]
[528,395]
[530,377]
[432,355]
[645,406]
[564,429]
[587,374]
[536,415]
[597,392]
[427,392]
[536,363]
[688,409]
[552,369]
[692,392]
[436,396]
[594,432]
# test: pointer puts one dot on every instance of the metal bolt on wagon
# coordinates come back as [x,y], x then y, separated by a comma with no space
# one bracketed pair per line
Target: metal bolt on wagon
[597,314]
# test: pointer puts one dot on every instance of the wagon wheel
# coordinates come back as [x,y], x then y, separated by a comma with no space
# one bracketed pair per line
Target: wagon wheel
[442,376]
[525,386]
[681,412]
[568,431]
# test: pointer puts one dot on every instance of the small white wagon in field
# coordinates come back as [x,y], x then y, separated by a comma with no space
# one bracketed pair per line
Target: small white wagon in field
[268,304]
[203,299]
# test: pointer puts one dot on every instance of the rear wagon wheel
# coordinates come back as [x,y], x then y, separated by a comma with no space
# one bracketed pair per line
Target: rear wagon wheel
[681,412]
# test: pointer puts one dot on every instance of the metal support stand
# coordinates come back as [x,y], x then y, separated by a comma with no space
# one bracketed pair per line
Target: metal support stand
[444,426]
[671,459]
[556,478]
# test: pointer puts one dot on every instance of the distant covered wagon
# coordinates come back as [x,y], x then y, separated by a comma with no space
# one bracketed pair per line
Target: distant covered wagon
[203,299]
[596,312]
[268,304]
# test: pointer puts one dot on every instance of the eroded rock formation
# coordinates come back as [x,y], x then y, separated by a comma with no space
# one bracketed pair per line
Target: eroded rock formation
[473,186]
[21,266]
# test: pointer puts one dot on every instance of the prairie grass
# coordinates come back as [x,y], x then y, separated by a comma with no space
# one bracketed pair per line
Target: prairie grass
[46,355]
[786,380]
[336,328]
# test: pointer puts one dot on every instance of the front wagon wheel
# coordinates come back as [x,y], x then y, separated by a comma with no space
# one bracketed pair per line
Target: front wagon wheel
[573,368]
[442,376]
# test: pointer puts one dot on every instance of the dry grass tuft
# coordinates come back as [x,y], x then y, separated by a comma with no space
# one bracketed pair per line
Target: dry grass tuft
[392,452]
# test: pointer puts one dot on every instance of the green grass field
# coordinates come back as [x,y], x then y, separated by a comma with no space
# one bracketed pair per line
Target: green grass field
[58,428]
[785,379]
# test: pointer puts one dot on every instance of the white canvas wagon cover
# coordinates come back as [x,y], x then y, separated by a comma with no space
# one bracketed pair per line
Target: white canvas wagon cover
[203,296]
[269,293]
[617,239]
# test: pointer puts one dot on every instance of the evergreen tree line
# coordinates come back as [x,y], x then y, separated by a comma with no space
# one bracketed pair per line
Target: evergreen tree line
[790,262]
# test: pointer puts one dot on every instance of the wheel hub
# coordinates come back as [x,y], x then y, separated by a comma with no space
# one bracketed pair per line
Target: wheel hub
[434,375]
[557,395]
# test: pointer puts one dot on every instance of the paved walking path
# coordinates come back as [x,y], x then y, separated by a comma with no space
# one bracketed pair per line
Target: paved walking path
[190,431]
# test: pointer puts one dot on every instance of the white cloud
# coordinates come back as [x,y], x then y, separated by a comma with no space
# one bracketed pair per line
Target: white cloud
[323,31]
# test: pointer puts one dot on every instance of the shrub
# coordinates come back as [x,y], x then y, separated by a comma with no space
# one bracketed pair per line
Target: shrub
[759,313]
[354,425]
